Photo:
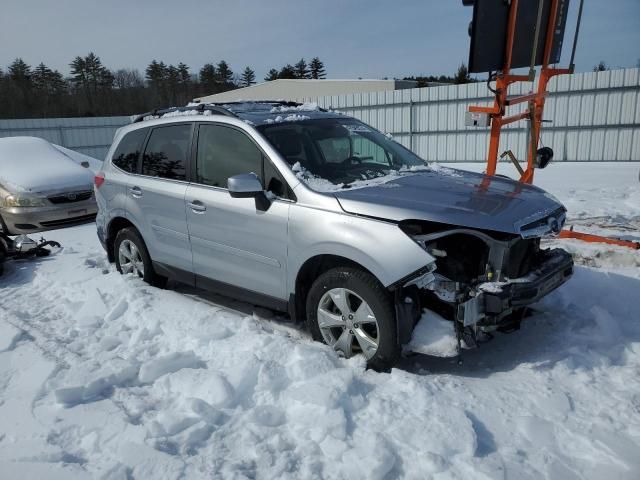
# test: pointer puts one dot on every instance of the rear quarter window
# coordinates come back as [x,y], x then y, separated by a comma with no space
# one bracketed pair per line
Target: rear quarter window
[128,151]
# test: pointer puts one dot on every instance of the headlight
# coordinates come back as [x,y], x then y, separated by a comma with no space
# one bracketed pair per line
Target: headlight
[20,201]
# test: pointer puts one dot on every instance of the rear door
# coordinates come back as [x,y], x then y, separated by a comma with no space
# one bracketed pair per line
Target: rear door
[113,195]
[157,196]
[233,243]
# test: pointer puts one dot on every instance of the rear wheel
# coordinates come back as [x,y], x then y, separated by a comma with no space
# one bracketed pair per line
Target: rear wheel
[132,257]
[350,311]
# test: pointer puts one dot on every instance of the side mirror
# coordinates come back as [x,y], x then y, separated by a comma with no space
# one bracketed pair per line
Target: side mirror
[248,185]
[245,185]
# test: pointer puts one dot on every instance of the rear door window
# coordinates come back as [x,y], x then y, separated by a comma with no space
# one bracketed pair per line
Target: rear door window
[167,151]
[128,151]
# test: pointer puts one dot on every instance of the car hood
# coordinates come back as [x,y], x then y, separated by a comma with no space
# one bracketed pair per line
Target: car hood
[457,197]
[33,165]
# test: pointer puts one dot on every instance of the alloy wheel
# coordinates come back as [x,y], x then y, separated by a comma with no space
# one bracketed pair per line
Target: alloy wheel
[347,323]
[130,258]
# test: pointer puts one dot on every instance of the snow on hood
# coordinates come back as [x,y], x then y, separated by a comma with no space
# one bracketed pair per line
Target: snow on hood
[80,158]
[33,165]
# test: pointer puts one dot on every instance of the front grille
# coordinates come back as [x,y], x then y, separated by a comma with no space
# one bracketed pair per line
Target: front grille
[69,221]
[71,197]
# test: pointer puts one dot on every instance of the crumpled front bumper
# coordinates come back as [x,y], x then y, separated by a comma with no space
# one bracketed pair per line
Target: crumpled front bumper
[492,301]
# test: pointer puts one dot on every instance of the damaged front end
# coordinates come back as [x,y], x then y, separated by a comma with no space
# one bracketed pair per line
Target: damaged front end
[484,279]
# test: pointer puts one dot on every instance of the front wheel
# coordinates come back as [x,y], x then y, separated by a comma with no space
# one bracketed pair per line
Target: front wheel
[349,310]
[132,257]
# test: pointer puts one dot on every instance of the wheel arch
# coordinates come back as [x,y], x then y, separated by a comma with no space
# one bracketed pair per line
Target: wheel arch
[115,225]
[311,269]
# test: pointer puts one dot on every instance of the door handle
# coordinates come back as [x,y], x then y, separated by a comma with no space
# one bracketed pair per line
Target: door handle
[197,206]
[136,192]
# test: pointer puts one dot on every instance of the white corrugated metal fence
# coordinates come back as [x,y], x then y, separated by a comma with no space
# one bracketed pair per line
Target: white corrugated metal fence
[592,117]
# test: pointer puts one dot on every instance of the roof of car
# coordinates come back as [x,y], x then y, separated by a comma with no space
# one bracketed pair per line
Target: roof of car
[253,112]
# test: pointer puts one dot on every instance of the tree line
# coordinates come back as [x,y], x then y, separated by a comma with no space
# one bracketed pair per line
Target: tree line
[92,89]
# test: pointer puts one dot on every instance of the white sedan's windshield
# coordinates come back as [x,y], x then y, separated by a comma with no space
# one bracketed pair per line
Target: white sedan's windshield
[341,150]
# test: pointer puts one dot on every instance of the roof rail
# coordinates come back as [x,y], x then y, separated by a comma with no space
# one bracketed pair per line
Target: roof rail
[199,109]
[286,103]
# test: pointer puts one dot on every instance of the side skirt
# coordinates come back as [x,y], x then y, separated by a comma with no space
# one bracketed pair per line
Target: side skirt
[222,288]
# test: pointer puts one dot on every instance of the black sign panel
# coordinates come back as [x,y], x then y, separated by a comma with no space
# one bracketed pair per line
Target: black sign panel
[489,33]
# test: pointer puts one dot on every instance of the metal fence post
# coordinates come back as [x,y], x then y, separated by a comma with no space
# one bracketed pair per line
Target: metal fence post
[411,125]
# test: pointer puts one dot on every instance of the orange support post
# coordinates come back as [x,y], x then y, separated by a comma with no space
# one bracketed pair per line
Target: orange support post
[534,112]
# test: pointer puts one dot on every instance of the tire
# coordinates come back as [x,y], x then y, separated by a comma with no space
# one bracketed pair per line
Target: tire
[130,240]
[365,298]
[3,227]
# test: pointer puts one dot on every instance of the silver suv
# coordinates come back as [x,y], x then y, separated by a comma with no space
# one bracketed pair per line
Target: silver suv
[320,215]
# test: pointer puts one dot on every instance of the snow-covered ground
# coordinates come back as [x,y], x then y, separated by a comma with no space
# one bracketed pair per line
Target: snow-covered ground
[106,377]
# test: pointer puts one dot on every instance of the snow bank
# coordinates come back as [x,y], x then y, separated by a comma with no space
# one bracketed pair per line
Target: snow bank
[9,335]
[111,378]
[159,366]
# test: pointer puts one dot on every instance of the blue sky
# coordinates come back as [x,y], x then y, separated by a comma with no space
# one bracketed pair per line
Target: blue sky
[355,38]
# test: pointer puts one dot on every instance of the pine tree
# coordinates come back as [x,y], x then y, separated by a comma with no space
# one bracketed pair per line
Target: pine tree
[462,75]
[208,76]
[316,68]
[272,75]
[600,67]
[156,73]
[48,88]
[90,76]
[225,74]
[248,77]
[184,76]
[173,80]
[20,72]
[301,69]
[40,77]
[287,72]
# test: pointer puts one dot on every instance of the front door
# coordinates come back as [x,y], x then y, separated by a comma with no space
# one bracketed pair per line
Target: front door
[233,242]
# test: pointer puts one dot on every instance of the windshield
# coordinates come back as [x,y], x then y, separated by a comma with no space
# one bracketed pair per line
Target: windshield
[340,150]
